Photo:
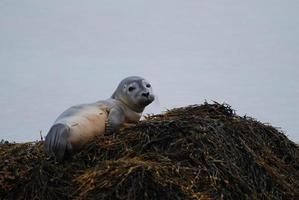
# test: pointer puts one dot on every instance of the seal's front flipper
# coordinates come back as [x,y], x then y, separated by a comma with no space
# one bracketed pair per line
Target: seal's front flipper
[115,120]
[56,143]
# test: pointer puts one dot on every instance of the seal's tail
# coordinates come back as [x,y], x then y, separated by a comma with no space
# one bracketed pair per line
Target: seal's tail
[56,143]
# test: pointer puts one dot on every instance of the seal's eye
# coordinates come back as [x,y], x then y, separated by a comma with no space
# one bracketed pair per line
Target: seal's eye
[131,89]
[148,85]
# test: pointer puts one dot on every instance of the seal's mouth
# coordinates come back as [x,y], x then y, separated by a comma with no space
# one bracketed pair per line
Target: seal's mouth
[146,99]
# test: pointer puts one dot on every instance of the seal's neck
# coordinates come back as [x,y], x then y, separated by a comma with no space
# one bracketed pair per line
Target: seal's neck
[134,108]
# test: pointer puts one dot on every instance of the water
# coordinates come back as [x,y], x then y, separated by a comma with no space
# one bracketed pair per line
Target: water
[57,54]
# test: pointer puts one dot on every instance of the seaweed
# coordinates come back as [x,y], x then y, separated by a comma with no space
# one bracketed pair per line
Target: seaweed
[195,152]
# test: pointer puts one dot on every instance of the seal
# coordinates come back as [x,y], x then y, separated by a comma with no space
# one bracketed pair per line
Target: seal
[80,124]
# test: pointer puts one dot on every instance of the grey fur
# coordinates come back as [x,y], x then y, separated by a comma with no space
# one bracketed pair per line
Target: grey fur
[56,141]
[77,125]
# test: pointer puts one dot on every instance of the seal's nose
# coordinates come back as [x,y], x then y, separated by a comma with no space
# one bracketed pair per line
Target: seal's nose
[145,94]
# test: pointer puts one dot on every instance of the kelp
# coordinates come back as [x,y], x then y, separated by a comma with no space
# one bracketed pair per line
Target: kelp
[195,152]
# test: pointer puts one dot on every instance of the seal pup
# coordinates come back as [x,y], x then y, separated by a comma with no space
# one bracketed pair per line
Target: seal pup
[80,124]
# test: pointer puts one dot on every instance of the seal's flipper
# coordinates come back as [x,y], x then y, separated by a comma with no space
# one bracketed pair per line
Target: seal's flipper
[56,143]
[115,119]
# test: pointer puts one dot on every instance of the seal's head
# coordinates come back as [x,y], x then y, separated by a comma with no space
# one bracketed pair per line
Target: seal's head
[135,92]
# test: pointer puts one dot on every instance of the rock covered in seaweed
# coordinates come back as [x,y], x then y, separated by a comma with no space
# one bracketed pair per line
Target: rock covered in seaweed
[195,152]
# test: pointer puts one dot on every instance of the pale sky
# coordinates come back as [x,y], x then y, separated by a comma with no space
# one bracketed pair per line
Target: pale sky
[55,54]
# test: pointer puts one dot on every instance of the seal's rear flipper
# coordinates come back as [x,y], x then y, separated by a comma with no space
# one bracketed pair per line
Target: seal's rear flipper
[56,143]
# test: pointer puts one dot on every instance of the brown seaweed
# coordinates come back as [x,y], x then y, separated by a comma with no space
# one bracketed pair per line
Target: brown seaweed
[196,152]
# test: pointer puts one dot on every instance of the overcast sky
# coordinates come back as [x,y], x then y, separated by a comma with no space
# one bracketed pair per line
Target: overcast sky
[54,54]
